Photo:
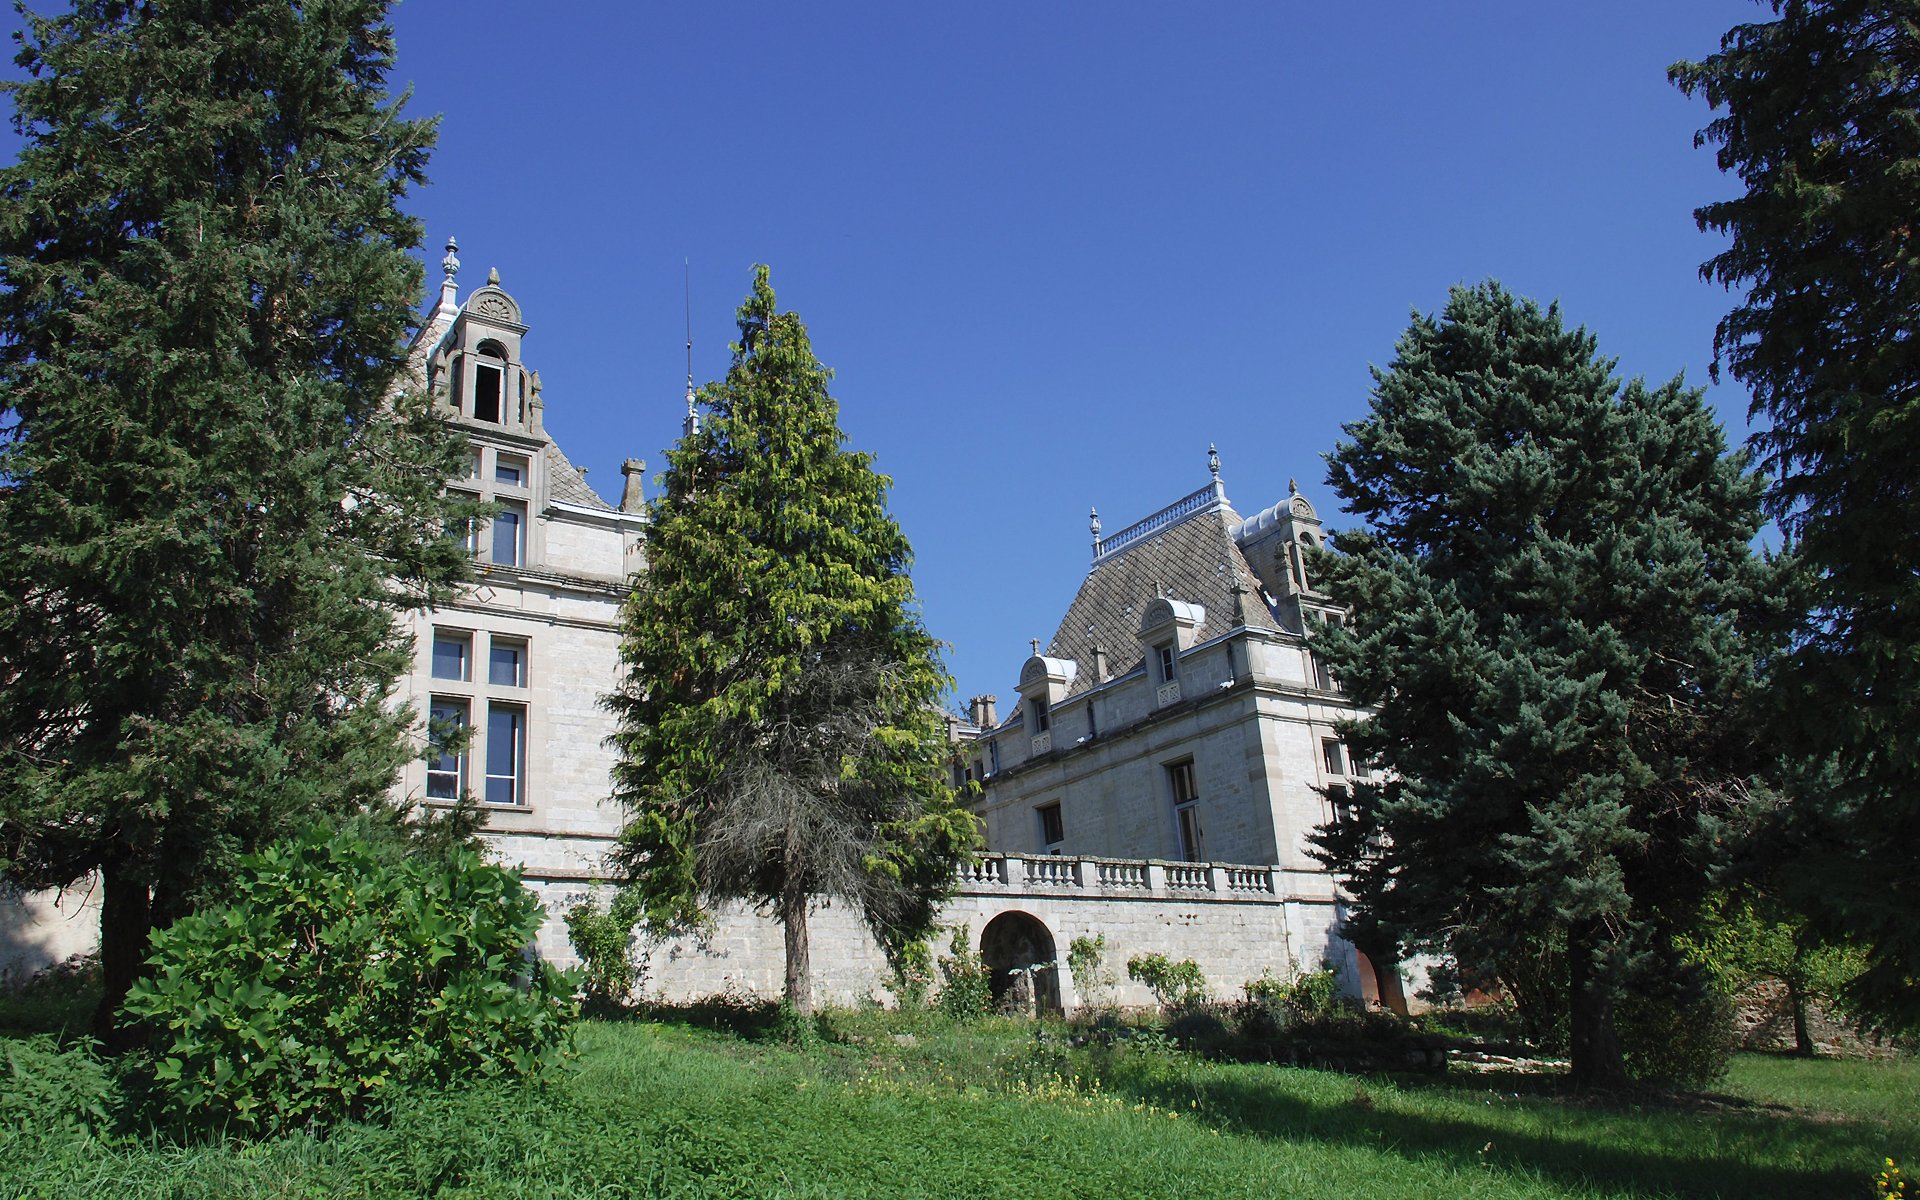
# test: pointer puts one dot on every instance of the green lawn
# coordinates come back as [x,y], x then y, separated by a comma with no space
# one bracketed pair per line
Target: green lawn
[992,1110]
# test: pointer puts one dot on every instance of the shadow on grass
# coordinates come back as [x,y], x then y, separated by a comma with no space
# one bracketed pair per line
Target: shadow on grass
[1623,1142]
[748,1018]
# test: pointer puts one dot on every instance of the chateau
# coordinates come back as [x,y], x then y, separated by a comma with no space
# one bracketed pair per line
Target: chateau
[1154,783]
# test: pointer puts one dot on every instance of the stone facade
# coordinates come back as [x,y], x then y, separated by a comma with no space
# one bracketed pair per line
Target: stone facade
[1180,714]
[1234,922]
[525,657]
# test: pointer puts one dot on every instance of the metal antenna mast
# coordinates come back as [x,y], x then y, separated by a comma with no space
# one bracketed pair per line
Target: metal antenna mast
[692,425]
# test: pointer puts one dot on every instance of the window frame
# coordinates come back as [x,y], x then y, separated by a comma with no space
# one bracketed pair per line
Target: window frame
[460,709]
[516,775]
[1183,785]
[1053,826]
[463,638]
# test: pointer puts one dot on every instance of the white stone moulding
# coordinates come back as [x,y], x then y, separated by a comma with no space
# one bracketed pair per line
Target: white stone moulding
[1167,693]
[1042,743]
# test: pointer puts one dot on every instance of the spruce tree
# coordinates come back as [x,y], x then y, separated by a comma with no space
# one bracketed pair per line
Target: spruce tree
[1820,119]
[779,732]
[1555,621]
[215,498]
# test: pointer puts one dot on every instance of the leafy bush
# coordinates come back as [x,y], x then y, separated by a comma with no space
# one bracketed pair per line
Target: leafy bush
[1087,960]
[1683,1040]
[1175,985]
[1306,998]
[913,974]
[603,938]
[335,974]
[969,989]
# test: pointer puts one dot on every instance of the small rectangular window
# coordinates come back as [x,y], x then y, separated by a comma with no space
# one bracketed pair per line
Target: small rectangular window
[1334,755]
[446,766]
[507,662]
[486,393]
[1169,665]
[1052,829]
[473,465]
[450,655]
[510,470]
[1042,714]
[506,754]
[509,535]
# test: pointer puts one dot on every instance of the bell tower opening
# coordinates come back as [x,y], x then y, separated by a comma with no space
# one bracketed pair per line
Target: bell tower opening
[489,375]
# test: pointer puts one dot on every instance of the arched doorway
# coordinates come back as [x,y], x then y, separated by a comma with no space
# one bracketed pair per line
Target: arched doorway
[1018,950]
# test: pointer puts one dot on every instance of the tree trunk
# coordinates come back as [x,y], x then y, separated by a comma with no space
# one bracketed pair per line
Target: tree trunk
[1387,984]
[1595,1046]
[1802,1038]
[126,921]
[793,920]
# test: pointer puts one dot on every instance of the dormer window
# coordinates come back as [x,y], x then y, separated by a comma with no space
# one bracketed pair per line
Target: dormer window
[489,381]
[1169,663]
[1042,714]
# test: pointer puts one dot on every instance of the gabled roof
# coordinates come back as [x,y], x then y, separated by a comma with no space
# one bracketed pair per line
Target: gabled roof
[1194,560]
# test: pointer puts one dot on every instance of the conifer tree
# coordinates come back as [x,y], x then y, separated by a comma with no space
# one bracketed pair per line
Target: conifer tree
[213,498]
[1554,618]
[1820,119]
[779,734]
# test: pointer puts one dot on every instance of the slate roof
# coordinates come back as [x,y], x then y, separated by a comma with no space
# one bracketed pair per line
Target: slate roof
[1195,560]
[566,484]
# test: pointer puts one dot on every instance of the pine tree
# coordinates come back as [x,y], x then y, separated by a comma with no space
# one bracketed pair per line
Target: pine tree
[1554,619]
[214,498]
[779,733]
[1821,122]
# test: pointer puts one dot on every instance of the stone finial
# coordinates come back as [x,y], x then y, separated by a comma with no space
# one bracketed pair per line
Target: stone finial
[1213,460]
[451,263]
[493,276]
[631,498]
[1035,643]
[1093,523]
[1099,663]
[1239,601]
[1293,487]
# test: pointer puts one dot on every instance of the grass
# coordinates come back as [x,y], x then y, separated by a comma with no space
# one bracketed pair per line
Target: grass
[892,1106]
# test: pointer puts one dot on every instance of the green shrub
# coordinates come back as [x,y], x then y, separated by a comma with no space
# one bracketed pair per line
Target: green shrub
[603,938]
[1087,960]
[49,1096]
[969,987]
[1175,985]
[336,973]
[1684,1040]
[913,974]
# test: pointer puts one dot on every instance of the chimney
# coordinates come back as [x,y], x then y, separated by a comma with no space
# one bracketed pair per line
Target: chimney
[1099,663]
[980,708]
[631,499]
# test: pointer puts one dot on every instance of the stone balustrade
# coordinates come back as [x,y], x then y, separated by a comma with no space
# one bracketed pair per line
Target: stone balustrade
[1135,878]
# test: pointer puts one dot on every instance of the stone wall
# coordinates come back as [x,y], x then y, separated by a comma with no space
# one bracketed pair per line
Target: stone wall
[1235,922]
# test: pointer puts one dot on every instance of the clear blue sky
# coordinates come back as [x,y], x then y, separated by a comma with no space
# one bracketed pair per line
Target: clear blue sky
[1054,250]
